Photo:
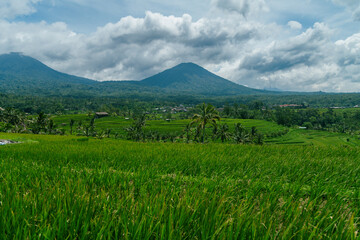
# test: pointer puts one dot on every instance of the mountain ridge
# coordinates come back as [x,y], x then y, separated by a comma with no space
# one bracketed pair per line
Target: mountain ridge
[22,65]
[192,77]
[25,75]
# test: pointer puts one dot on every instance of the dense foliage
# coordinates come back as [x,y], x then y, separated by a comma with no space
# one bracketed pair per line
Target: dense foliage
[148,101]
[336,120]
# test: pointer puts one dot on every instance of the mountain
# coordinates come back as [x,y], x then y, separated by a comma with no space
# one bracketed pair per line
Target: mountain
[189,77]
[18,65]
[23,75]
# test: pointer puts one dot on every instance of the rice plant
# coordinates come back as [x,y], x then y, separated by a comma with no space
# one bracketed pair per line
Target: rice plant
[54,187]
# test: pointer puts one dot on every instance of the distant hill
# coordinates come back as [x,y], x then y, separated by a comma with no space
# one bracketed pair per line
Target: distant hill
[189,77]
[23,75]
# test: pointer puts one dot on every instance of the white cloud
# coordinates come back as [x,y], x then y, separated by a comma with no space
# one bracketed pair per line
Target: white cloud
[12,8]
[307,62]
[352,5]
[242,7]
[131,48]
[350,49]
[137,47]
[302,49]
[245,51]
[41,40]
[294,25]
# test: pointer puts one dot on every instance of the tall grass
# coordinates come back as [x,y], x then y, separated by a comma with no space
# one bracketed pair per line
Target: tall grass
[66,188]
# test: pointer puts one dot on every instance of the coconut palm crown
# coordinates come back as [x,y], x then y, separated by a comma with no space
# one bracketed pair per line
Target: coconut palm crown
[207,114]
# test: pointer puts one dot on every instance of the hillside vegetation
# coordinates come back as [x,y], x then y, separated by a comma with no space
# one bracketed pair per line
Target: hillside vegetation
[24,75]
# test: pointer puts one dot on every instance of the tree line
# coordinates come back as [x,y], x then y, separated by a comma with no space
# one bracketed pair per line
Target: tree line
[205,123]
[340,120]
[80,103]
[205,126]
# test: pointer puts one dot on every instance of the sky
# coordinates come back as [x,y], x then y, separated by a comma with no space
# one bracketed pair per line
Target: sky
[308,45]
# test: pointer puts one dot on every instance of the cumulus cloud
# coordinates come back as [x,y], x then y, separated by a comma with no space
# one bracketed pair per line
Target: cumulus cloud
[352,5]
[350,49]
[158,40]
[247,52]
[307,62]
[53,42]
[294,25]
[302,49]
[243,7]
[131,48]
[12,8]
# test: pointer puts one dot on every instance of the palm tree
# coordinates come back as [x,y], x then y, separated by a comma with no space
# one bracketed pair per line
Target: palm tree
[72,122]
[223,132]
[188,132]
[13,117]
[208,114]
[50,126]
[241,135]
[136,131]
[41,121]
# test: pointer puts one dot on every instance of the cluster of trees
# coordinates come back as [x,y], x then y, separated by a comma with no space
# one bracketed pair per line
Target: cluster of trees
[253,110]
[15,121]
[221,132]
[345,121]
[205,124]
[313,100]
[12,120]
[80,102]
[329,120]
[197,130]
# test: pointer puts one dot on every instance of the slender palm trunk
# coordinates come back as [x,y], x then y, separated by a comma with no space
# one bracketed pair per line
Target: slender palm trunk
[203,136]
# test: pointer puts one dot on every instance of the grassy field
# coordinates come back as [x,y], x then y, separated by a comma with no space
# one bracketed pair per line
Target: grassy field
[54,187]
[314,137]
[117,124]
[295,136]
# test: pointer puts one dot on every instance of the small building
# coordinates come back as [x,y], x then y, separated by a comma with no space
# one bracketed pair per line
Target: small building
[290,106]
[101,114]
[1,109]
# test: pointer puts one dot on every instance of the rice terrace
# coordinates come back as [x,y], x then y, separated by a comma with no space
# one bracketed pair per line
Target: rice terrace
[73,186]
[214,119]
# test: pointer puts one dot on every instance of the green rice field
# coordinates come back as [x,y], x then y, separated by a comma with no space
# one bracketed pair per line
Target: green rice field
[295,136]
[117,124]
[67,187]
